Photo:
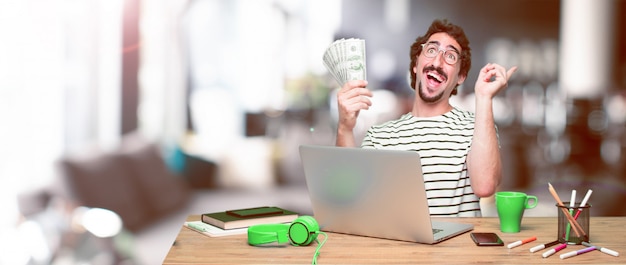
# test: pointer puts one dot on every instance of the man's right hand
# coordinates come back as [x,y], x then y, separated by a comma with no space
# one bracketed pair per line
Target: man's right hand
[351,98]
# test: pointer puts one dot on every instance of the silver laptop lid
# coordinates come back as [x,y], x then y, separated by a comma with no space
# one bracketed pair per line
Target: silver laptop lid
[376,193]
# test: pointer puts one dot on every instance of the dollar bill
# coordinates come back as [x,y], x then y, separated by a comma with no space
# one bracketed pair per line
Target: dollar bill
[345,60]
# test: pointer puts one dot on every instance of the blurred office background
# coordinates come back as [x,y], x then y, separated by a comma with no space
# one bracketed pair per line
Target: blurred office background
[226,91]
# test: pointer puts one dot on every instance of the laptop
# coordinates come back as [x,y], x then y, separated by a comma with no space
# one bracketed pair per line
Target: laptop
[374,193]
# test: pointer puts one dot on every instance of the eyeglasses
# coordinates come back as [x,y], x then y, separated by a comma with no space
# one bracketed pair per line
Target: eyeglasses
[430,50]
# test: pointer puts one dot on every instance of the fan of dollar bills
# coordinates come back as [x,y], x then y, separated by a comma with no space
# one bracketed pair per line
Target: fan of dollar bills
[345,59]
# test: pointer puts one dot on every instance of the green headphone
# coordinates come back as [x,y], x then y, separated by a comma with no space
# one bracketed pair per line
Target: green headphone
[301,232]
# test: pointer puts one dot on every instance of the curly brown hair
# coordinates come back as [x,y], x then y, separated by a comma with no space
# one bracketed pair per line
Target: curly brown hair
[455,32]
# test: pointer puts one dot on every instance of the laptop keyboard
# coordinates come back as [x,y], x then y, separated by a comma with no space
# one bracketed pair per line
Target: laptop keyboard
[435,230]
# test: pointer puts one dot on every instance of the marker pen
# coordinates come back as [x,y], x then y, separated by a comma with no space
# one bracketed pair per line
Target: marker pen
[196,227]
[521,242]
[554,250]
[570,219]
[603,250]
[572,203]
[542,246]
[583,203]
[577,252]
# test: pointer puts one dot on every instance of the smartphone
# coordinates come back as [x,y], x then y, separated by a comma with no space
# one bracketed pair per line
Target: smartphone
[255,212]
[486,239]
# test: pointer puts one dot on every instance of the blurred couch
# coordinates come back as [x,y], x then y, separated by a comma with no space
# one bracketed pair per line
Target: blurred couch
[133,181]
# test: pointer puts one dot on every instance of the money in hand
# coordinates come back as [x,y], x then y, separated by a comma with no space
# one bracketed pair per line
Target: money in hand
[345,60]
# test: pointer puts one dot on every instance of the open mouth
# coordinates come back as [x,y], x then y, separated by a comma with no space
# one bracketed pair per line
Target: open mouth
[435,76]
[434,79]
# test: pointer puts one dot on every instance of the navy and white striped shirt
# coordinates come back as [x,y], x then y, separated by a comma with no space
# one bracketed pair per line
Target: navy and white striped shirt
[443,143]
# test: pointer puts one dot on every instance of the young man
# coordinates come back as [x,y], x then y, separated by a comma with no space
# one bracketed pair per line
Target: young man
[459,150]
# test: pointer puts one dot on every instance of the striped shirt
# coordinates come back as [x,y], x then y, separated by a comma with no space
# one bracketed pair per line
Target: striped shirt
[443,143]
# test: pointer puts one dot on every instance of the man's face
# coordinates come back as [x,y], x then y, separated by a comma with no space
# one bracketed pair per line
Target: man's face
[435,78]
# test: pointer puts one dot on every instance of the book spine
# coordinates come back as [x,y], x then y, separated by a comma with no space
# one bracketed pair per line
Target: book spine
[213,222]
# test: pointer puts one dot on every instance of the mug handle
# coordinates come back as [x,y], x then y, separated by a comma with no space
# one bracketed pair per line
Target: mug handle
[534,204]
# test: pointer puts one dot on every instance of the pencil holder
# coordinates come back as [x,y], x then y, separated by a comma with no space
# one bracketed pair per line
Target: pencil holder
[573,223]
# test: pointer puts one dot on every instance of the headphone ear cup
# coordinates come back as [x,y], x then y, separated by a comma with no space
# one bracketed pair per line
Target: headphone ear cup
[303,231]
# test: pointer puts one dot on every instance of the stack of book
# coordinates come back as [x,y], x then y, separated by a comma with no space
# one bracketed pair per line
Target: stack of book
[234,222]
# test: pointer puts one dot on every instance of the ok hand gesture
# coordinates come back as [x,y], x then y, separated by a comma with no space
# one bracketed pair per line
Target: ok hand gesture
[491,79]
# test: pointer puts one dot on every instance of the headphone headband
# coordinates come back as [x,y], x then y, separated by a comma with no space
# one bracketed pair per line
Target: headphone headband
[267,233]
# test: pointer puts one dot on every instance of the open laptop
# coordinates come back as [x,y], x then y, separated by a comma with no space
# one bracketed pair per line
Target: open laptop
[375,193]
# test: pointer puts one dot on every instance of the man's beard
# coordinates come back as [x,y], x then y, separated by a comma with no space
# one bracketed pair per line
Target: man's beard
[437,97]
[427,99]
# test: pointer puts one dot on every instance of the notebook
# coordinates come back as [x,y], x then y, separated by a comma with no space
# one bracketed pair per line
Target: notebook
[374,193]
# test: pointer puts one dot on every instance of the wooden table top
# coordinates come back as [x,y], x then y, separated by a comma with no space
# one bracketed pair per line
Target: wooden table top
[191,247]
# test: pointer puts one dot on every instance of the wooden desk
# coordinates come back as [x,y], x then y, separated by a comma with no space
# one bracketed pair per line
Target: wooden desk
[193,248]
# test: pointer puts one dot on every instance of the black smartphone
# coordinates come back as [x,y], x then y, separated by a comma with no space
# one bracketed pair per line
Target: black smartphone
[486,239]
[255,212]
